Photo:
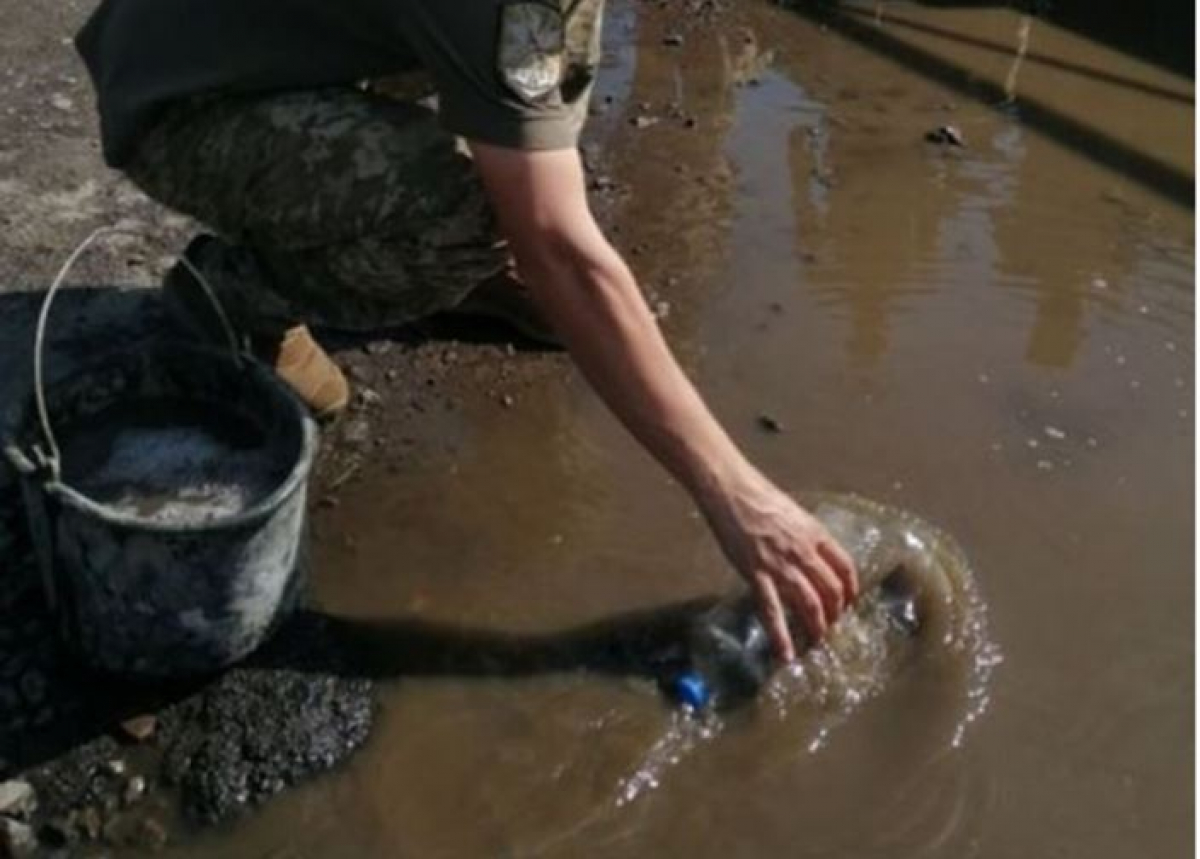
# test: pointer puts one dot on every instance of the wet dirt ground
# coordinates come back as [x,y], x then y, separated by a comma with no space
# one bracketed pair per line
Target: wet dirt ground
[997,336]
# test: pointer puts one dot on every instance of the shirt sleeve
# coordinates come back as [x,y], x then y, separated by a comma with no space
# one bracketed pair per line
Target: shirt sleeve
[509,73]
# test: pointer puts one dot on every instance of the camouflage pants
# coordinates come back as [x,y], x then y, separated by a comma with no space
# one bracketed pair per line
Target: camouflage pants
[337,207]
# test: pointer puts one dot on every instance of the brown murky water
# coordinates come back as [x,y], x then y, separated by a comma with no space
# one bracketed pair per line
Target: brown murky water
[997,337]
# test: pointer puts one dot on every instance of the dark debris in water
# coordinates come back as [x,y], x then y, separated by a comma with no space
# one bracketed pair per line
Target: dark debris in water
[770,424]
[947,135]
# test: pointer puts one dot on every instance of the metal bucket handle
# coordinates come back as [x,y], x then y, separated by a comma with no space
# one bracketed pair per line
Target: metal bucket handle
[50,459]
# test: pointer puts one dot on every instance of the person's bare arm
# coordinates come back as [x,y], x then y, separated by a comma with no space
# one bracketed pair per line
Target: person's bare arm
[591,299]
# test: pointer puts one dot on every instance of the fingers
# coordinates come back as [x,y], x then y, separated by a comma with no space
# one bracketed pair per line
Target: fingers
[774,618]
[807,604]
[842,564]
[821,576]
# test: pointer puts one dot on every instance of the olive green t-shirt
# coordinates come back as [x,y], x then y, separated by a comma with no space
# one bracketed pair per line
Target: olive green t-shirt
[513,74]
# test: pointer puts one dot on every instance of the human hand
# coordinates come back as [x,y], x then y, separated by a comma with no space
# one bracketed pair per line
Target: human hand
[786,556]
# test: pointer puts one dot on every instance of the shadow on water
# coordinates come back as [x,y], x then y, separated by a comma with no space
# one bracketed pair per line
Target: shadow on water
[648,644]
[1085,140]
[1033,57]
[1156,31]
[72,706]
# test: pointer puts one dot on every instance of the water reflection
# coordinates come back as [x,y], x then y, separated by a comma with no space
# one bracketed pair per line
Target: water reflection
[865,229]
[1024,25]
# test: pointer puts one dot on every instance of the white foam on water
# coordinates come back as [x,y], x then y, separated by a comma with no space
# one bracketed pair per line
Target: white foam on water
[178,476]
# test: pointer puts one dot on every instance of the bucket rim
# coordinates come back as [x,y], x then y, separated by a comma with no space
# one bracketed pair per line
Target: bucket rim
[260,510]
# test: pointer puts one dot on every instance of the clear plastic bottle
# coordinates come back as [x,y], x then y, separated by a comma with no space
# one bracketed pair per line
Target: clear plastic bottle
[729,649]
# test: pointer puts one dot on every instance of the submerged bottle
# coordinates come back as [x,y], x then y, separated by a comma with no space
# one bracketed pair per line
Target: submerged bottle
[729,650]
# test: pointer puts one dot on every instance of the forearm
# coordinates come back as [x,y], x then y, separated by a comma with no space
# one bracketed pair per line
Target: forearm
[588,294]
[591,298]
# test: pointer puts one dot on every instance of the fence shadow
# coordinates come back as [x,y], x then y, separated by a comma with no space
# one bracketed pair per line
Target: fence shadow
[1085,140]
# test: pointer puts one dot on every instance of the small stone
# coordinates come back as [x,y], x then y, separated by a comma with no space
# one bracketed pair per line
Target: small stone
[1099,283]
[391,375]
[116,767]
[662,309]
[1045,465]
[150,834]
[673,40]
[89,823]
[140,729]
[17,799]
[507,401]
[642,121]
[510,350]
[17,840]
[369,397]
[378,347]
[770,424]
[1054,433]
[135,789]
[946,135]
[357,432]
[58,101]
[602,182]
[1031,442]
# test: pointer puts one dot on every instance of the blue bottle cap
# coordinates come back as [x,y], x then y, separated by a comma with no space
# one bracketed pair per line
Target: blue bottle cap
[691,690]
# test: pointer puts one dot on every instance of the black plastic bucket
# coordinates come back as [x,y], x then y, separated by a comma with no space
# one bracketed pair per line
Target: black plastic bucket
[147,590]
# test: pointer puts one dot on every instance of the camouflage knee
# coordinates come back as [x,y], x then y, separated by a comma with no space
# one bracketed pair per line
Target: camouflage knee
[361,208]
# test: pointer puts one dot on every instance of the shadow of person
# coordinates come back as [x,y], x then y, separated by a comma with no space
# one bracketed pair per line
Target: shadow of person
[648,643]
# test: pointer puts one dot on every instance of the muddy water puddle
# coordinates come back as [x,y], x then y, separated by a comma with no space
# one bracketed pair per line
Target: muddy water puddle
[997,337]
